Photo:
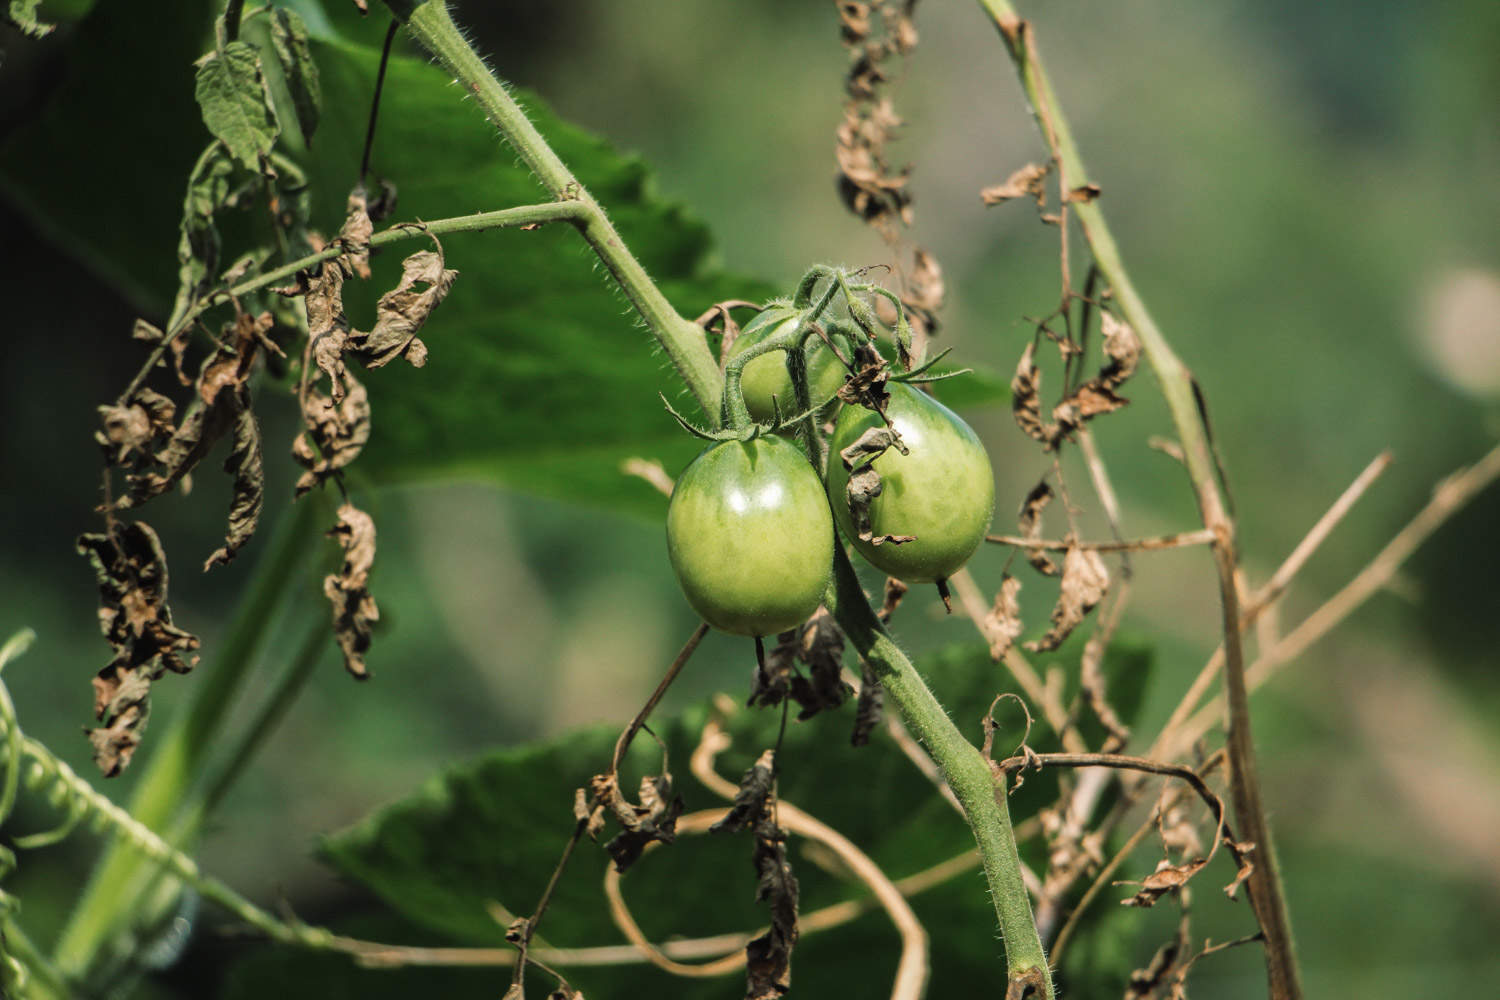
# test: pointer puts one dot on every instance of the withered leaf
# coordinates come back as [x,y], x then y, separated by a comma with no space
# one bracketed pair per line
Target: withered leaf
[131,571]
[895,590]
[356,232]
[401,312]
[1025,397]
[1123,348]
[773,672]
[1162,881]
[822,648]
[1095,690]
[245,464]
[869,709]
[1083,193]
[1030,520]
[1003,622]
[753,800]
[1085,580]
[854,21]
[1027,182]
[354,609]
[653,819]
[136,428]
[336,432]
[1242,852]
[864,484]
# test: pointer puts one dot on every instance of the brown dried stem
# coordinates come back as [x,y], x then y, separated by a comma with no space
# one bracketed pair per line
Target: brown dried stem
[1183,402]
[1169,744]
[1202,536]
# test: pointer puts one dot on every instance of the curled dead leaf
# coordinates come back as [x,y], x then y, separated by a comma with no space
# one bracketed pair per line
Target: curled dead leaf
[1030,521]
[1085,581]
[354,609]
[1029,181]
[401,312]
[1003,622]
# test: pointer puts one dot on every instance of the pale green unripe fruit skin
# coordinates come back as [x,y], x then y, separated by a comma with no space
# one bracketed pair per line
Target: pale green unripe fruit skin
[750,536]
[766,376]
[943,492]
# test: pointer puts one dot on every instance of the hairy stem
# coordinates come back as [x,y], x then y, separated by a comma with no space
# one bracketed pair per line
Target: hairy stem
[963,767]
[1266,894]
[682,339]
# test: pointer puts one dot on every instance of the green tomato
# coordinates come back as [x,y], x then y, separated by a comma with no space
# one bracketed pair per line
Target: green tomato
[750,536]
[766,376]
[943,492]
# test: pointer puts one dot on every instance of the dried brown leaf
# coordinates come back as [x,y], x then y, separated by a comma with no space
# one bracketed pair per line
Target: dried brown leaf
[1030,521]
[356,232]
[335,434]
[136,429]
[354,609]
[752,802]
[773,672]
[864,483]
[1084,193]
[1165,879]
[654,818]
[1025,398]
[1029,181]
[245,464]
[1123,348]
[854,21]
[1003,622]
[401,312]
[131,571]
[1085,581]
[895,590]
[821,647]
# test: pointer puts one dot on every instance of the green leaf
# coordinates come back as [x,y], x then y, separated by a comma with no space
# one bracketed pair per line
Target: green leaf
[198,247]
[538,377]
[22,14]
[491,830]
[294,53]
[231,92]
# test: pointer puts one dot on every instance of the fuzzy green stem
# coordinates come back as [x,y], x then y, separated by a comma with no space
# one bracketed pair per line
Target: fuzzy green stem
[682,339]
[122,874]
[1265,888]
[965,770]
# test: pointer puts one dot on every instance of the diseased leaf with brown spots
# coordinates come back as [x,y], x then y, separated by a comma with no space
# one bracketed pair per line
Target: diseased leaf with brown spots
[1003,622]
[245,464]
[354,609]
[1085,580]
[1029,181]
[402,311]
[131,570]
[1030,521]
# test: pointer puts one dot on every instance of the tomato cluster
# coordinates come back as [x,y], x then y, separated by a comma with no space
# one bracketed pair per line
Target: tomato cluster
[750,525]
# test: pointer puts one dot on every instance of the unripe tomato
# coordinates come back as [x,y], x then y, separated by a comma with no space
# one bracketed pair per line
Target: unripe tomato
[942,492]
[750,536]
[766,376]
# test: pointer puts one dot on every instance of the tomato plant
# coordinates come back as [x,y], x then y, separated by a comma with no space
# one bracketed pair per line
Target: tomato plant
[941,490]
[750,536]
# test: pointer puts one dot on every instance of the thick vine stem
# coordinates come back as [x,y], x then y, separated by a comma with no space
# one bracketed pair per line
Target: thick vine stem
[964,769]
[682,339]
[1178,388]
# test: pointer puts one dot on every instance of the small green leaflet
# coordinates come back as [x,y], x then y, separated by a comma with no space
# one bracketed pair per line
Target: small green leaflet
[22,14]
[236,108]
[289,38]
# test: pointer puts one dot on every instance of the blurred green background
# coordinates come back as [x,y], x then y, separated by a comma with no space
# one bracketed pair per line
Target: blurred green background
[1308,197]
